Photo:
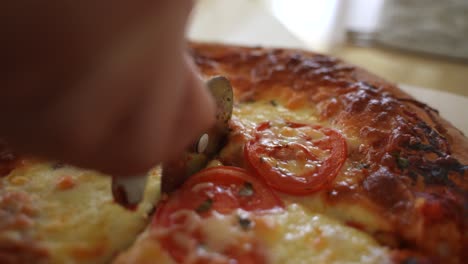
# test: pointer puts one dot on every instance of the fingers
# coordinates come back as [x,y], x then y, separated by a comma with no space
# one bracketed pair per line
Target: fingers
[136,100]
[154,130]
[163,130]
[195,115]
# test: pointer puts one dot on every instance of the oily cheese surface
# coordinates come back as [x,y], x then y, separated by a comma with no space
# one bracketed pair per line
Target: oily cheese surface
[307,231]
[60,214]
[247,116]
[304,237]
[294,235]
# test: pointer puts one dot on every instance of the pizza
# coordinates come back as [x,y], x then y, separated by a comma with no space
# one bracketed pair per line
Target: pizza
[55,213]
[324,163]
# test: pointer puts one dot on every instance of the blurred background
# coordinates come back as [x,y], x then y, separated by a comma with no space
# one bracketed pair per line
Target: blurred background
[422,43]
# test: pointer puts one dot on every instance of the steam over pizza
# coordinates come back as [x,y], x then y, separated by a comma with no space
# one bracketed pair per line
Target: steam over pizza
[324,163]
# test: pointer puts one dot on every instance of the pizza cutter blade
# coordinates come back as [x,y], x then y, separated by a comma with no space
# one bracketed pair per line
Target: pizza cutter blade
[128,191]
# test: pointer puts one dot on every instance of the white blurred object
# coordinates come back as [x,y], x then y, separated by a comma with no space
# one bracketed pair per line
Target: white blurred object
[320,24]
[363,15]
[239,22]
[362,21]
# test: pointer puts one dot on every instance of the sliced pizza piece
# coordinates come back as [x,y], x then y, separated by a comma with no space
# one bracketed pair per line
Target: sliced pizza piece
[54,213]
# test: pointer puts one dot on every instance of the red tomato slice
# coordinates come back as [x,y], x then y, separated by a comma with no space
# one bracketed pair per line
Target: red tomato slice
[296,158]
[218,189]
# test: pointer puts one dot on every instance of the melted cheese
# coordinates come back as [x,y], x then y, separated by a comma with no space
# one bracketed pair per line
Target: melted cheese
[309,230]
[299,236]
[250,115]
[76,220]
[294,235]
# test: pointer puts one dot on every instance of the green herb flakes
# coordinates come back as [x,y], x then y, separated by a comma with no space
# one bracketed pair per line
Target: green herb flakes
[246,190]
[403,163]
[205,206]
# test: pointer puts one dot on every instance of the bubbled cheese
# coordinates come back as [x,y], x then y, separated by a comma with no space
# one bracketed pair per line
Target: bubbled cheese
[300,236]
[308,230]
[76,220]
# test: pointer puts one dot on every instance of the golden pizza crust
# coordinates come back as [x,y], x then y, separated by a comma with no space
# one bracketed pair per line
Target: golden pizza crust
[457,139]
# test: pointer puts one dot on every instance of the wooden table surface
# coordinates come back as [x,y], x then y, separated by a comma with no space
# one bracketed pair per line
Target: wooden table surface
[409,68]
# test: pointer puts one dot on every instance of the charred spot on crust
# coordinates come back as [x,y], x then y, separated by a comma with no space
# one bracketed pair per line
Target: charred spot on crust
[386,188]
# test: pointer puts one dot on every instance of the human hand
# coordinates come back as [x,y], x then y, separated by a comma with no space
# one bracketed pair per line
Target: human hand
[99,84]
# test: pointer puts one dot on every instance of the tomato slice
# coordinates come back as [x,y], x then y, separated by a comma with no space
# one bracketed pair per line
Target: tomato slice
[296,158]
[213,191]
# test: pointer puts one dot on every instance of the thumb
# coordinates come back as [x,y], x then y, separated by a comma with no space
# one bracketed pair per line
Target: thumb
[196,113]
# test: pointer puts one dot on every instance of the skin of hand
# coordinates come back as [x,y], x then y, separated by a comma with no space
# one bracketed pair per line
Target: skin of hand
[103,84]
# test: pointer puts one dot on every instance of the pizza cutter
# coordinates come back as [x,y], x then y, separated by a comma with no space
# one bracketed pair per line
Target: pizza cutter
[128,191]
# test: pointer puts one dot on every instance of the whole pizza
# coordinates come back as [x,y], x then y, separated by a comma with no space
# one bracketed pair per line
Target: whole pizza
[323,163]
